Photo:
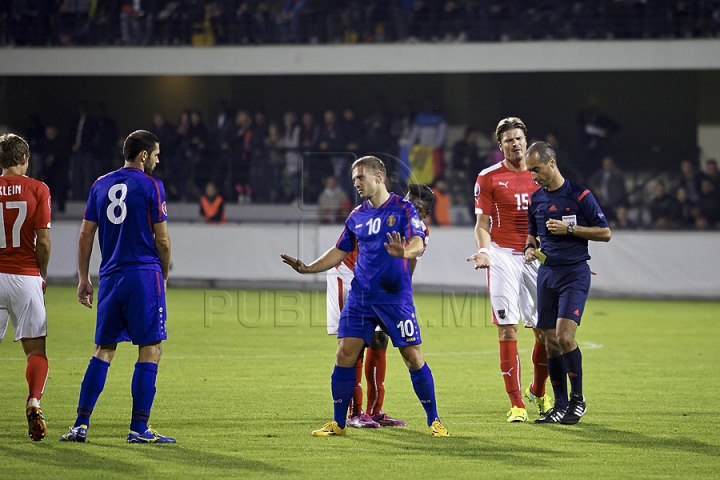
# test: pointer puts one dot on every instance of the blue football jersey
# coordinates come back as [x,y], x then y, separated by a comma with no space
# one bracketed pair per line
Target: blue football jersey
[573,204]
[379,277]
[125,203]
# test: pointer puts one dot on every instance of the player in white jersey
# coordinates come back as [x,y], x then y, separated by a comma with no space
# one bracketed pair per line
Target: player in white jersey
[339,280]
[502,193]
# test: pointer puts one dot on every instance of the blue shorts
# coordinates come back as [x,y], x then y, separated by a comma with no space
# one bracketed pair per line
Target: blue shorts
[398,321]
[562,292]
[131,307]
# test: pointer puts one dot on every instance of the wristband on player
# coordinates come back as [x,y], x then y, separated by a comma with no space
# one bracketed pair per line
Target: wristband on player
[484,250]
[529,245]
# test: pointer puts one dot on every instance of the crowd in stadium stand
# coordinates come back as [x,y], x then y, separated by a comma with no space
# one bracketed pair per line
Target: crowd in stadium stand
[238,156]
[234,22]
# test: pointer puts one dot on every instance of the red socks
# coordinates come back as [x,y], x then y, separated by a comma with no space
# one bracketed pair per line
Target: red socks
[356,406]
[540,369]
[375,368]
[510,367]
[36,374]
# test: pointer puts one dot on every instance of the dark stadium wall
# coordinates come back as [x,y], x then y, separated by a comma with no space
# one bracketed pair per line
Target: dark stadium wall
[657,111]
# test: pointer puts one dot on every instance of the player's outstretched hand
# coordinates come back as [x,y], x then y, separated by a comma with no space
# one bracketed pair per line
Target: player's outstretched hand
[395,245]
[85,293]
[295,263]
[482,260]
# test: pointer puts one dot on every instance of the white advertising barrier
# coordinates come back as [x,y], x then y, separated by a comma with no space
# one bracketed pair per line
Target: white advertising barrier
[632,264]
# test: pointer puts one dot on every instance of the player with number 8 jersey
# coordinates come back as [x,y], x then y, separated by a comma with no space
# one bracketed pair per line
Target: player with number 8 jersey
[127,209]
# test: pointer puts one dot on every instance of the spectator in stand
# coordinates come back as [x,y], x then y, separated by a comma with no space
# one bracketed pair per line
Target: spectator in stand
[309,144]
[690,178]
[288,20]
[708,206]
[664,208]
[333,202]
[31,21]
[73,21]
[332,155]
[687,211]
[182,161]
[563,158]
[260,159]
[278,191]
[351,132]
[440,214]
[465,155]
[53,154]
[222,130]
[378,129]
[83,168]
[239,25]
[198,134]
[426,142]
[212,205]
[594,132]
[137,22]
[454,16]
[608,187]
[221,12]
[241,156]
[293,158]
[105,23]
[711,170]
[168,139]
[105,147]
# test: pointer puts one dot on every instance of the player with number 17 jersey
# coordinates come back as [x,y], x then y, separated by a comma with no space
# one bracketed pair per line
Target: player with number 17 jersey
[125,203]
[379,277]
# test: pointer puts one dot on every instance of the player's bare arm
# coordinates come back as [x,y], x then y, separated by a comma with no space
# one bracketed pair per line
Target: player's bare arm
[42,250]
[164,248]
[325,262]
[398,247]
[482,240]
[85,245]
[596,234]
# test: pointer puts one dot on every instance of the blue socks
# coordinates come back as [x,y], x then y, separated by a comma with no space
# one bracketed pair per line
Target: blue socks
[424,387]
[90,390]
[342,382]
[143,393]
[573,362]
[558,379]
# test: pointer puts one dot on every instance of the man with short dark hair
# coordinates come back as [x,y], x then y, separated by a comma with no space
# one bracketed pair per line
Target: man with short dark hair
[565,216]
[127,207]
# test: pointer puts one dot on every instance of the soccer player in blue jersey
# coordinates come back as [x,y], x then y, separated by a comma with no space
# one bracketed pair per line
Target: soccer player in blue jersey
[565,216]
[127,209]
[389,235]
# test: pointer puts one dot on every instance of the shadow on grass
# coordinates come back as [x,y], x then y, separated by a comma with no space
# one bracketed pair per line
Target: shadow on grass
[98,458]
[596,433]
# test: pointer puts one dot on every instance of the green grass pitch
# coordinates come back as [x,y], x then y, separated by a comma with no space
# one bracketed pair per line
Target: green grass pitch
[245,377]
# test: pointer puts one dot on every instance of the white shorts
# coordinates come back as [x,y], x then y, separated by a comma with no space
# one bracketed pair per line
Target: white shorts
[512,285]
[338,286]
[22,300]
